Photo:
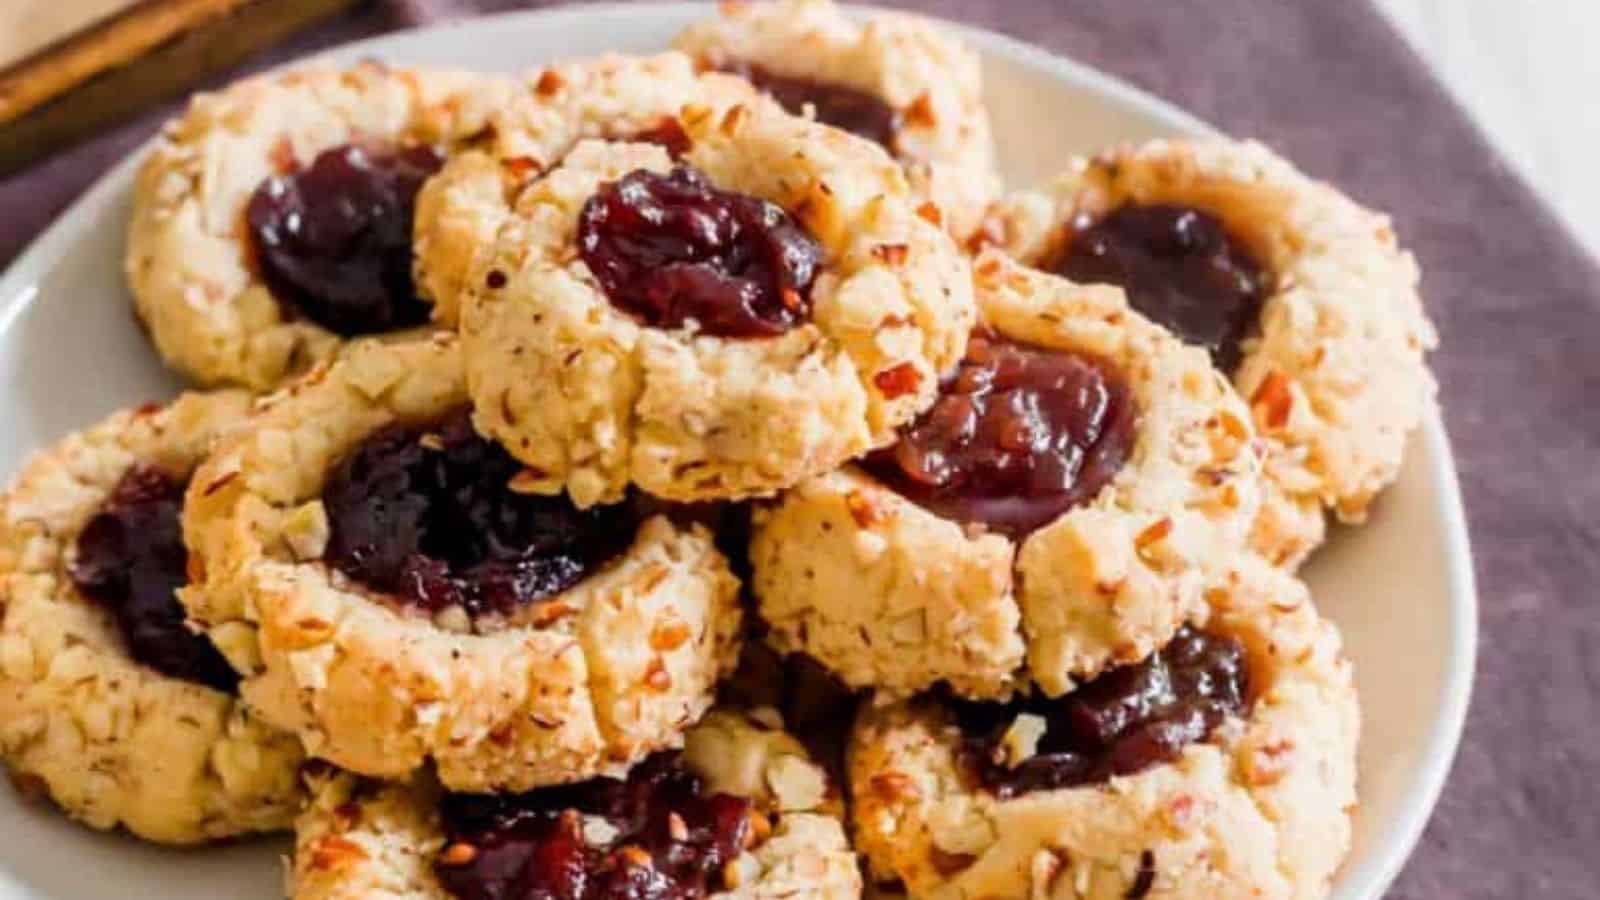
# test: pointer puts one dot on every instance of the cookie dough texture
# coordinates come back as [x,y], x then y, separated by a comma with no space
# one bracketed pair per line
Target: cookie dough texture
[189,261]
[931,80]
[891,596]
[545,115]
[580,684]
[362,841]
[594,401]
[1336,378]
[112,742]
[1262,811]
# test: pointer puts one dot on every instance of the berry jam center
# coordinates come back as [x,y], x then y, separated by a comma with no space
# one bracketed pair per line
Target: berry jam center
[1126,720]
[131,560]
[656,836]
[1018,436]
[333,239]
[427,514]
[840,106]
[672,248]
[1179,267]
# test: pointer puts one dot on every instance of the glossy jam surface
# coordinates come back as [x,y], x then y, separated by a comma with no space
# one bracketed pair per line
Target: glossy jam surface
[672,248]
[659,835]
[1179,267]
[1122,722]
[131,560]
[428,515]
[843,107]
[1018,435]
[333,239]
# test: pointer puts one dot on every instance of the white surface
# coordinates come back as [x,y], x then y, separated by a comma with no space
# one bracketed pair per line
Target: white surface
[1401,587]
[1528,72]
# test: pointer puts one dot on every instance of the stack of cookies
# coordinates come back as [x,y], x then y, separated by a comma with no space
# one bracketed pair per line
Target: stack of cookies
[692,475]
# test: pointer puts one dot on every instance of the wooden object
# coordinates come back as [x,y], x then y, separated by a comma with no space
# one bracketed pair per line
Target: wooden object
[72,67]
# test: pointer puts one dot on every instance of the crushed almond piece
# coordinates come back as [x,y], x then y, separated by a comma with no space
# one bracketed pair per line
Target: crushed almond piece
[733,119]
[550,81]
[523,167]
[458,854]
[1153,534]
[1272,402]
[669,635]
[760,829]
[549,612]
[637,856]
[526,481]
[332,852]
[892,254]
[861,509]
[920,112]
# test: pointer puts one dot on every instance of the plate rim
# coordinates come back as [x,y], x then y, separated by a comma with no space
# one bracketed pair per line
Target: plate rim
[19,287]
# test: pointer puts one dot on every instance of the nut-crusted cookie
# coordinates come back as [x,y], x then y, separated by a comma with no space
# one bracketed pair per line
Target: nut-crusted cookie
[545,115]
[273,218]
[107,702]
[406,841]
[1328,350]
[1258,807]
[715,319]
[898,592]
[389,592]
[893,78]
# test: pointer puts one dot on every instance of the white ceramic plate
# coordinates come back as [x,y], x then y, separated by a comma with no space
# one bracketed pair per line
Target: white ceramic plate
[1400,587]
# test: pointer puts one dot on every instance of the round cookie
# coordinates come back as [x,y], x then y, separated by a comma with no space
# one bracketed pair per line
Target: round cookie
[1332,364]
[273,219]
[896,593]
[548,112]
[390,593]
[895,79]
[107,704]
[1258,808]
[359,840]
[714,323]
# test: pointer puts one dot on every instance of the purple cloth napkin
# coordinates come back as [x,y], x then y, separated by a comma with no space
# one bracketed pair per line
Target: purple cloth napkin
[1333,87]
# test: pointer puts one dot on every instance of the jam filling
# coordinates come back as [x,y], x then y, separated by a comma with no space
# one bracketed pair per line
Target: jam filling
[131,560]
[333,239]
[1180,267]
[840,106]
[672,248]
[1018,435]
[1126,720]
[428,514]
[658,835]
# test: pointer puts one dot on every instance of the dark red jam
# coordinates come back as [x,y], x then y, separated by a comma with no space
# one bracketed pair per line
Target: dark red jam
[667,839]
[333,240]
[1123,722]
[427,514]
[672,248]
[1018,435]
[1180,267]
[841,106]
[131,560]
